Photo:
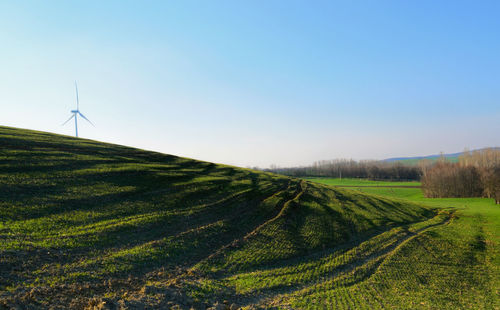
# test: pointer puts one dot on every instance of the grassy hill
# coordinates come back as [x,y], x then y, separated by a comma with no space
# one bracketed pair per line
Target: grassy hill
[454,157]
[85,224]
[431,158]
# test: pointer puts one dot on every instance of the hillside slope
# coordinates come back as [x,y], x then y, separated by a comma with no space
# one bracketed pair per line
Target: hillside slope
[87,224]
[415,160]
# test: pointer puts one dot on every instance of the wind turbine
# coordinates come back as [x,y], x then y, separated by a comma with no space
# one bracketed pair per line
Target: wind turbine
[76,113]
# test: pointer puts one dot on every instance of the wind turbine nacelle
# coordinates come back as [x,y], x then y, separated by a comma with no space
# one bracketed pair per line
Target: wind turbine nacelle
[74,111]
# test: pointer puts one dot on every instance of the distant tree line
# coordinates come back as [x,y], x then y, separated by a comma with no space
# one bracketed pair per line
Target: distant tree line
[477,174]
[348,168]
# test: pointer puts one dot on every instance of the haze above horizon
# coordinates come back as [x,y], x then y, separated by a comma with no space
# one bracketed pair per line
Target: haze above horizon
[257,83]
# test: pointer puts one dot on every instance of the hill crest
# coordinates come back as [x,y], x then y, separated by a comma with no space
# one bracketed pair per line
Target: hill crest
[84,218]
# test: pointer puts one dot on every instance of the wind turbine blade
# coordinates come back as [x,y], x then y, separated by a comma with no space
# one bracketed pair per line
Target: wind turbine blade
[68,120]
[85,118]
[77,101]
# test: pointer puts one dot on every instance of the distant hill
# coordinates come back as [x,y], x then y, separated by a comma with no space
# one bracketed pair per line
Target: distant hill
[453,157]
[90,225]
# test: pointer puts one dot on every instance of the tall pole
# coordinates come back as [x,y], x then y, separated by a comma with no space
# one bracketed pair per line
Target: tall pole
[77,109]
[76,126]
[77,101]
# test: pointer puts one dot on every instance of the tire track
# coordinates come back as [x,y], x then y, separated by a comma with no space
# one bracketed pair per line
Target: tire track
[281,207]
[378,258]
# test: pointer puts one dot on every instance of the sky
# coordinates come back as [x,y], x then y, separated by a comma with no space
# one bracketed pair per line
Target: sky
[256,83]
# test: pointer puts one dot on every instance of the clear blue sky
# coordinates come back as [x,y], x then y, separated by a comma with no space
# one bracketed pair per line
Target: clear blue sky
[258,82]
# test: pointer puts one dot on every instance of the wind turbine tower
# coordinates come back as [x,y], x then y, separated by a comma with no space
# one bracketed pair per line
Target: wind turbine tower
[76,113]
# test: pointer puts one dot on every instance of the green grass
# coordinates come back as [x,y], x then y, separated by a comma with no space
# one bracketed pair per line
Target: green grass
[348,182]
[83,222]
[456,265]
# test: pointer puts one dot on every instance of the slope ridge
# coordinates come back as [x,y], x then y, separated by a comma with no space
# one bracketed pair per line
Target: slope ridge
[83,220]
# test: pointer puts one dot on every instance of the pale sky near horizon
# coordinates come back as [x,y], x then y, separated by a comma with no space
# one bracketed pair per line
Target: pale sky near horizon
[255,83]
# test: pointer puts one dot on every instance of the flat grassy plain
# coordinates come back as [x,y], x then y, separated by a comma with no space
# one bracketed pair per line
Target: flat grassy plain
[350,182]
[86,225]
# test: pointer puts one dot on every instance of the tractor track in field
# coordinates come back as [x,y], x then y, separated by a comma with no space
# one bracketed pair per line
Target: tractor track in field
[275,298]
[281,207]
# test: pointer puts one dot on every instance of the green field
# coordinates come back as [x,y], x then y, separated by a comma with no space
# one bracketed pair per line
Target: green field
[86,224]
[361,182]
[460,258]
